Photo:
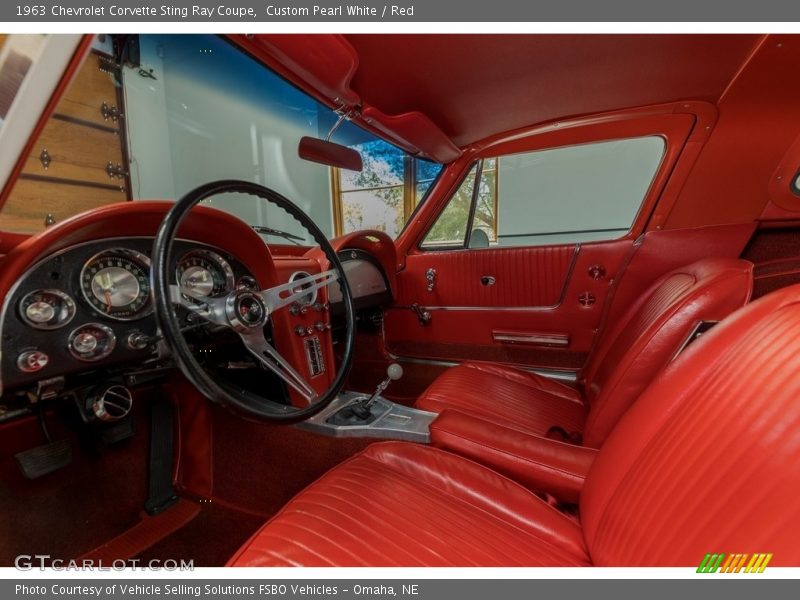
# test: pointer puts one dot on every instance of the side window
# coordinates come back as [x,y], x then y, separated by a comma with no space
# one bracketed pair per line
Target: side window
[562,195]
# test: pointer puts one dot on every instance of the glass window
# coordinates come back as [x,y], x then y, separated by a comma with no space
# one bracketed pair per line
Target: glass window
[384,194]
[563,195]
[183,110]
[450,229]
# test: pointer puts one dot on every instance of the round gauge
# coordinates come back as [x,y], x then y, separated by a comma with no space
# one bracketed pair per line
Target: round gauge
[116,283]
[47,309]
[91,342]
[246,282]
[309,298]
[204,274]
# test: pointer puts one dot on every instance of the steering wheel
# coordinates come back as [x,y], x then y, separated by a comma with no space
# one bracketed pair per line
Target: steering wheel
[247,312]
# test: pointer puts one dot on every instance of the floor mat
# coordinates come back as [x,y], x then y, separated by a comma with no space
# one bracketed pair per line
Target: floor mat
[210,539]
[149,531]
[70,511]
[259,467]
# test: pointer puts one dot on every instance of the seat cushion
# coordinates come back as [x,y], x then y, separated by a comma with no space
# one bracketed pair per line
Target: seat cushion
[403,504]
[506,396]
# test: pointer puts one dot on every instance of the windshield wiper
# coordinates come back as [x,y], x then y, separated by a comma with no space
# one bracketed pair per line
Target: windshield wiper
[278,233]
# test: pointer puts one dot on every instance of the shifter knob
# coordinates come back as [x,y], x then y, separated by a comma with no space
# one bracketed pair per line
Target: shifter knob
[394,372]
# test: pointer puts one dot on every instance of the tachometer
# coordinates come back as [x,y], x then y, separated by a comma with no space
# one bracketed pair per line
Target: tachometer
[116,283]
[204,274]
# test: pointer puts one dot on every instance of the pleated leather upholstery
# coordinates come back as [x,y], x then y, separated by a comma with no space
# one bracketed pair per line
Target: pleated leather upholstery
[509,397]
[707,461]
[629,354]
[401,504]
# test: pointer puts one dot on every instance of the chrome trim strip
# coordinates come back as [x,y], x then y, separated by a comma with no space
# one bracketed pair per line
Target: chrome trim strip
[567,375]
[534,339]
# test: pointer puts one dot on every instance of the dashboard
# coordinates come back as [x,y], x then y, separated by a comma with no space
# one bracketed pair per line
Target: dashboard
[89,306]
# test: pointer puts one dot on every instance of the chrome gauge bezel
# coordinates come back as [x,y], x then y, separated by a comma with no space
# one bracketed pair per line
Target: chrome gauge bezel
[133,255]
[68,302]
[211,256]
[112,337]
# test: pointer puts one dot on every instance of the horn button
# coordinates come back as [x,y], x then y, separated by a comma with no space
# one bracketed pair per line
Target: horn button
[246,310]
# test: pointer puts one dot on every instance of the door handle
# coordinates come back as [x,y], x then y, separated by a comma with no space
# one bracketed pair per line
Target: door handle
[423,315]
[488,280]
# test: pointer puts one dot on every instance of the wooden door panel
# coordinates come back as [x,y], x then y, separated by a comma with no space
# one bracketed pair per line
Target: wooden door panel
[76,152]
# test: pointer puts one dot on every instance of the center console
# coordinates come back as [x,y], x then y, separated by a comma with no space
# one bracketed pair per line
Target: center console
[387,420]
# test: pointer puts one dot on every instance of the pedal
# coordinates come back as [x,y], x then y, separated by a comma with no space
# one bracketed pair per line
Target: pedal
[44,459]
[119,432]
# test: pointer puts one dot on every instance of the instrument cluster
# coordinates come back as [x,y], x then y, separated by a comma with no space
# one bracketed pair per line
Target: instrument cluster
[92,303]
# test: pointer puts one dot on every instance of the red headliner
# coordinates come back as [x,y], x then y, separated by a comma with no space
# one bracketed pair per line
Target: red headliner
[476,86]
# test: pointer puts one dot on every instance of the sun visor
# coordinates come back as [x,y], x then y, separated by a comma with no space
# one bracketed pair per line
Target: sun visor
[413,131]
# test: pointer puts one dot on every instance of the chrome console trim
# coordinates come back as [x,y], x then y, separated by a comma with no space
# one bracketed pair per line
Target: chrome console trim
[394,421]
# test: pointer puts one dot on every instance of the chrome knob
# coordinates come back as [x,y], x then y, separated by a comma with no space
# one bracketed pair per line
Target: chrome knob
[112,403]
[40,312]
[138,341]
[84,343]
[32,361]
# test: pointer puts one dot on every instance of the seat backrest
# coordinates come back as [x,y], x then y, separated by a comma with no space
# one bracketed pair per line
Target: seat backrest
[708,459]
[649,335]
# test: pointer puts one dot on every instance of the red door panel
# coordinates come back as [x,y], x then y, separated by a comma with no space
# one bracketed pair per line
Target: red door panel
[523,277]
[531,316]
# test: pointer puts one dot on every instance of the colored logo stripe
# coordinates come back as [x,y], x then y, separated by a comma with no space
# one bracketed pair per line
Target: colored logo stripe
[734,563]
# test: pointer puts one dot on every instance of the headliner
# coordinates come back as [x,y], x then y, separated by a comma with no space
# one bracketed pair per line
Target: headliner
[475,86]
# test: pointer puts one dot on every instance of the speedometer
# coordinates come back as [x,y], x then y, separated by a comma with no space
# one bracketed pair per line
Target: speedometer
[204,274]
[116,284]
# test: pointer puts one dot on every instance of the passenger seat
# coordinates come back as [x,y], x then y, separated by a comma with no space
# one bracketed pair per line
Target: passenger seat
[627,357]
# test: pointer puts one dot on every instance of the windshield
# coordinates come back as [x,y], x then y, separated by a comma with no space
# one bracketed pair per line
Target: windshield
[197,109]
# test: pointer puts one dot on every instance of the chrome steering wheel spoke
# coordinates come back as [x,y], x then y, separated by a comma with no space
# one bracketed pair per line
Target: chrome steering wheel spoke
[210,309]
[248,312]
[269,357]
[288,293]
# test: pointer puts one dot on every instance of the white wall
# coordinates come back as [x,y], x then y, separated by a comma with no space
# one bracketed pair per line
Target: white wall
[587,187]
[148,129]
[190,126]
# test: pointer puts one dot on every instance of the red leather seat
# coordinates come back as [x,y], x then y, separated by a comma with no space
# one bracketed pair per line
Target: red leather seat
[625,360]
[706,461]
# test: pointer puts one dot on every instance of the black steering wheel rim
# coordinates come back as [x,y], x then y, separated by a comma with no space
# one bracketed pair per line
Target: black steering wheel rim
[244,402]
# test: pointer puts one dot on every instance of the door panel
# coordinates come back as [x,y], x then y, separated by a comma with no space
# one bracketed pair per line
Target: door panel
[532,315]
[523,277]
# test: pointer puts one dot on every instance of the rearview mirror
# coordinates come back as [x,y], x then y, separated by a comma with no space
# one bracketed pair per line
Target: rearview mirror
[329,153]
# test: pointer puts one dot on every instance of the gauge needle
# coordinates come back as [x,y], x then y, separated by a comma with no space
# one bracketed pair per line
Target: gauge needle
[107,295]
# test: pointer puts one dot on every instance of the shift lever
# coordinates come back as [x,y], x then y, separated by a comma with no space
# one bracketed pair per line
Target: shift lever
[361,408]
